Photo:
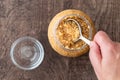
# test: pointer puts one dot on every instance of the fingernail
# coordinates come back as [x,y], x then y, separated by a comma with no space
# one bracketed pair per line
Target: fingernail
[92,44]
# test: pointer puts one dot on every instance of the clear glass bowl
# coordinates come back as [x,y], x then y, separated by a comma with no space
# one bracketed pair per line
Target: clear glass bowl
[27,53]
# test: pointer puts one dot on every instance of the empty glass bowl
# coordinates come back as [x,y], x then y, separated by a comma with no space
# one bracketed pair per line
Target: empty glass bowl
[27,53]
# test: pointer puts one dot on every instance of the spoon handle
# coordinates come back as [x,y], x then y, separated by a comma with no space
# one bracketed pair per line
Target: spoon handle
[85,40]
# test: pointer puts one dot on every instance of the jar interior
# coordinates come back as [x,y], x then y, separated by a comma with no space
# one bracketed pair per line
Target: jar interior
[65,33]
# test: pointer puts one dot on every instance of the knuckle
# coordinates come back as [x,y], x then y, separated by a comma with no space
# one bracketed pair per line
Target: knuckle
[111,46]
[112,49]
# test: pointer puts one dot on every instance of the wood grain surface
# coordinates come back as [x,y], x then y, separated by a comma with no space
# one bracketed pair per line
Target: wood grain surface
[20,18]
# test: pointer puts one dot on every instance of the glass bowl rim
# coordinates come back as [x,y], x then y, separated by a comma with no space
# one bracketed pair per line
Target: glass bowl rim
[39,45]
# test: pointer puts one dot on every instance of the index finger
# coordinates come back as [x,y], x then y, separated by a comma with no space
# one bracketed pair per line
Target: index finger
[104,42]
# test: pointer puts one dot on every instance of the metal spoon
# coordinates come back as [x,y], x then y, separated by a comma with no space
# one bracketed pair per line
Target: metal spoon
[81,36]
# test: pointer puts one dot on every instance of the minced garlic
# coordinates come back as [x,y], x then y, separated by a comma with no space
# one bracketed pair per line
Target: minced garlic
[67,32]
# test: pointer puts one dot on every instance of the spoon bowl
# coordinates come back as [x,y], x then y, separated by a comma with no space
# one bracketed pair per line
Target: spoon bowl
[80,31]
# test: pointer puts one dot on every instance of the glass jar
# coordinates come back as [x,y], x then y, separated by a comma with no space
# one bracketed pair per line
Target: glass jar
[56,27]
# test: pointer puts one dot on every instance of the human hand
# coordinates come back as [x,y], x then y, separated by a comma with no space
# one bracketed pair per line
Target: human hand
[105,57]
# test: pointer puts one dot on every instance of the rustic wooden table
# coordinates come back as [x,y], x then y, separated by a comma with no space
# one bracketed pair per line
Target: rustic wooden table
[20,18]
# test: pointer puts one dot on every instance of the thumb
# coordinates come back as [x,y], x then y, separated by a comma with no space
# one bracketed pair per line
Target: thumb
[95,56]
